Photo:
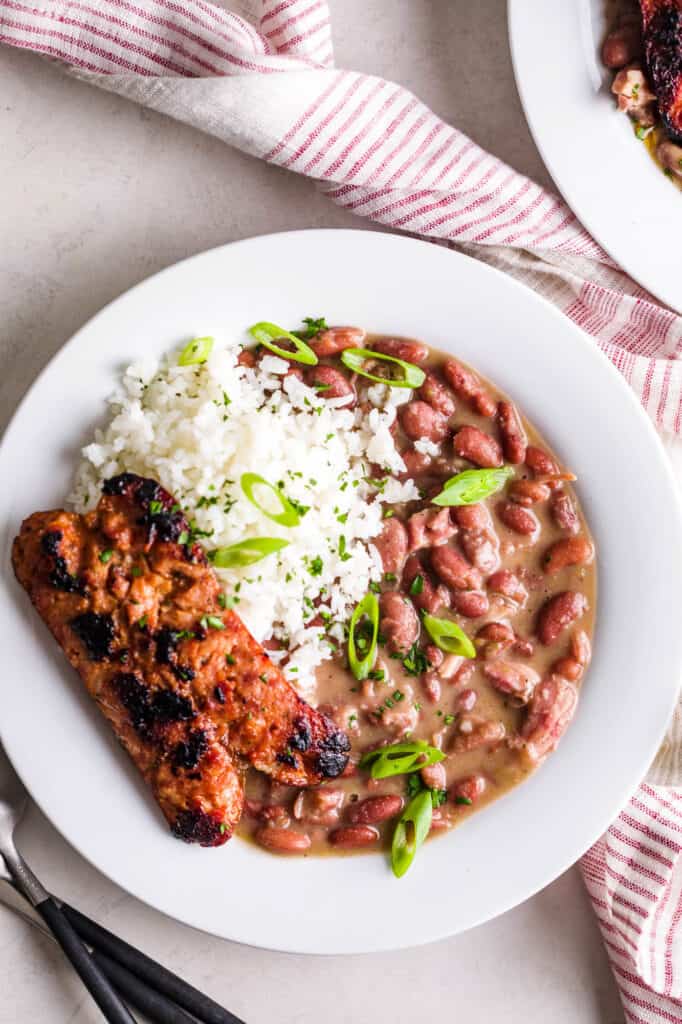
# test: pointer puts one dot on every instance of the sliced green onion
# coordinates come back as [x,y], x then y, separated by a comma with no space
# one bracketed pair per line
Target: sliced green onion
[400,758]
[447,635]
[369,607]
[211,622]
[353,358]
[473,485]
[197,351]
[287,517]
[266,334]
[411,831]
[246,552]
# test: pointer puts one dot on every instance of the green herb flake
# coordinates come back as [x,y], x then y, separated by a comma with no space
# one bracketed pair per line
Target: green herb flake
[417,585]
[464,800]
[142,622]
[136,571]
[315,566]
[230,659]
[106,556]
[211,622]
[449,719]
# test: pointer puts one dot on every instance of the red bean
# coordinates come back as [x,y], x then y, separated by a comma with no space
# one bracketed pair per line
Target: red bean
[539,461]
[528,492]
[429,598]
[332,383]
[470,603]
[434,776]
[566,552]
[246,357]
[353,837]
[551,709]
[568,668]
[564,513]
[471,517]
[392,545]
[466,385]
[401,348]
[434,656]
[520,520]
[511,677]
[514,440]
[336,339]
[398,622]
[558,612]
[581,649]
[481,449]
[428,528]
[282,840]
[464,673]
[466,700]
[431,686]
[320,806]
[475,732]
[454,570]
[415,462]
[375,809]
[439,397]
[469,790]
[418,419]
[622,46]
[482,549]
[510,586]
[494,638]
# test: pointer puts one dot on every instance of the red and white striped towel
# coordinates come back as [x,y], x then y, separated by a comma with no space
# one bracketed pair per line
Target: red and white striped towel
[264,80]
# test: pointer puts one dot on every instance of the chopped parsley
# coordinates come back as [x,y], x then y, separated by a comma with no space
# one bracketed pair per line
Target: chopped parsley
[315,566]
[142,622]
[388,512]
[313,326]
[230,659]
[222,600]
[136,571]
[343,554]
[463,800]
[301,509]
[377,674]
[390,577]
[438,797]
[106,556]
[342,518]
[415,661]
[263,678]
[398,695]
[352,719]
[155,507]
[449,719]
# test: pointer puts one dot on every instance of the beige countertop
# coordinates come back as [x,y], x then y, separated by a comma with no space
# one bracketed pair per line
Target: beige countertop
[96,194]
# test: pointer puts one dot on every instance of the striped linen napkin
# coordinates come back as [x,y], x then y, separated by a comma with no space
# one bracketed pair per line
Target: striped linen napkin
[263,79]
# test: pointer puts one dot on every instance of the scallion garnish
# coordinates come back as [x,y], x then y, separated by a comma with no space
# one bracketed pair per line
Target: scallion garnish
[417,585]
[211,622]
[288,515]
[473,485]
[197,351]
[447,635]
[400,758]
[354,359]
[366,610]
[411,831]
[246,552]
[267,334]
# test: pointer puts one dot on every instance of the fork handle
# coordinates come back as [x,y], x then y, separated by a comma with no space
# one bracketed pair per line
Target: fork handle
[113,1009]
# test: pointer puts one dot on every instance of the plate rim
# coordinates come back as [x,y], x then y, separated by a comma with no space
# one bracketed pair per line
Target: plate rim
[591,350]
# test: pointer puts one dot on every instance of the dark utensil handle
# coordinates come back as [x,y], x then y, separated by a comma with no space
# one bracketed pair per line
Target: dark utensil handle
[96,983]
[147,1000]
[154,974]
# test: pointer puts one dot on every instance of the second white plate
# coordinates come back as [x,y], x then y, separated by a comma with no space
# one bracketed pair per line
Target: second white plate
[605,175]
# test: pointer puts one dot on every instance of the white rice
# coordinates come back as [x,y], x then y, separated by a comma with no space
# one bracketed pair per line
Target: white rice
[197,429]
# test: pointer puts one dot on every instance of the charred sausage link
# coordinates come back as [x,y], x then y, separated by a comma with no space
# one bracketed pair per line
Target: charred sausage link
[175,675]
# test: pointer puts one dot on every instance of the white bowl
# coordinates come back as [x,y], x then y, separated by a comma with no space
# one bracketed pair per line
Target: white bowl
[604,173]
[84,783]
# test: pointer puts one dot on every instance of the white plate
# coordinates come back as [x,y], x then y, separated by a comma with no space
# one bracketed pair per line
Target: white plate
[84,783]
[605,174]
